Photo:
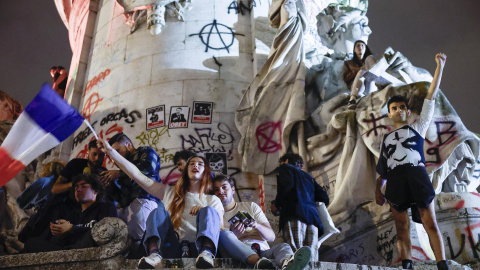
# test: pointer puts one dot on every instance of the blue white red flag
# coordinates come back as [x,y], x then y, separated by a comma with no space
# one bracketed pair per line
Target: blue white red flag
[45,123]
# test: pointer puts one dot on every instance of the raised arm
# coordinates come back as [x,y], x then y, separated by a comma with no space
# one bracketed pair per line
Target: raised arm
[61,185]
[440,58]
[152,187]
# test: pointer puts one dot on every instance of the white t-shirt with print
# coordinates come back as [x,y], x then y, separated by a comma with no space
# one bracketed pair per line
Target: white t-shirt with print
[256,212]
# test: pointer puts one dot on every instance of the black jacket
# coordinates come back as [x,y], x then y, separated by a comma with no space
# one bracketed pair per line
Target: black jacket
[297,193]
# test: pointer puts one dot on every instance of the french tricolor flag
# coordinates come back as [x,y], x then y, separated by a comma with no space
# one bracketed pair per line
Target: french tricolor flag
[45,122]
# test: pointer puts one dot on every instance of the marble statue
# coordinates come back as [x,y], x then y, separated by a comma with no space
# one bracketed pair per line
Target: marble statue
[153,12]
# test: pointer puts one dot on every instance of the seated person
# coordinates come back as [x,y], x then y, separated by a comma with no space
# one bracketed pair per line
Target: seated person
[179,160]
[62,192]
[236,240]
[134,203]
[71,229]
[93,164]
[297,193]
[188,213]
[354,69]
[38,192]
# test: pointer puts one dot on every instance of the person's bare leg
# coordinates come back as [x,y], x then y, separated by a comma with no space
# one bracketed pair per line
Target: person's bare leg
[152,244]
[430,224]
[402,223]
[253,259]
[357,88]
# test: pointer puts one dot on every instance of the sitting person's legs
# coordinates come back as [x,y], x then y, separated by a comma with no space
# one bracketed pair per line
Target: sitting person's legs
[208,232]
[230,247]
[160,239]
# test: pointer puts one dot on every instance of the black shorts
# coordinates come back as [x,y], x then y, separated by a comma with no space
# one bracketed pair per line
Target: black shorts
[409,185]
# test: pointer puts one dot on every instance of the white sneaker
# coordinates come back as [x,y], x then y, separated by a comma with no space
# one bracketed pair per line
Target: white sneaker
[205,260]
[150,262]
[299,260]
[264,263]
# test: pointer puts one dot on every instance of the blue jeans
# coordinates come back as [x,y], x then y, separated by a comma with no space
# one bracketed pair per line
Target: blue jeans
[37,193]
[160,225]
[231,247]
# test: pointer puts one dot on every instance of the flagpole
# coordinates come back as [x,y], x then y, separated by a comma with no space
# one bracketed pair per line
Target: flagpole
[91,128]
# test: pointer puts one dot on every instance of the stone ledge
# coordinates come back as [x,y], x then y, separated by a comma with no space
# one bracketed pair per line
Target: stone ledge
[89,259]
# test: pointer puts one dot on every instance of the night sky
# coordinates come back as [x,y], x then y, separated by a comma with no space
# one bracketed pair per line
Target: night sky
[33,38]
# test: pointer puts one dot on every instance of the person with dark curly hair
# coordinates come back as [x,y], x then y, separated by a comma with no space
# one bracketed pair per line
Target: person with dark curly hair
[70,228]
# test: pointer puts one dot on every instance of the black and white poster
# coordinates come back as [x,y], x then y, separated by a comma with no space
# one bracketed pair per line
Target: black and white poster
[179,117]
[155,117]
[202,112]
[218,162]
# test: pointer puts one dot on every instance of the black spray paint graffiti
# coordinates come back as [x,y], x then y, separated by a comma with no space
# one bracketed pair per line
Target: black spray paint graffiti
[355,255]
[82,135]
[130,118]
[373,121]
[330,186]
[217,36]
[386,245]
[241,7]
[475,247]
[445,135]
[205,140]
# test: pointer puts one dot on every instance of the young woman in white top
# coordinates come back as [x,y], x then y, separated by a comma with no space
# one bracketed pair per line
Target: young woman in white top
[186,213]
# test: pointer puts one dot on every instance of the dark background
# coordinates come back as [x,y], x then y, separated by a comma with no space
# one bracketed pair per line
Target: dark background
[33,38]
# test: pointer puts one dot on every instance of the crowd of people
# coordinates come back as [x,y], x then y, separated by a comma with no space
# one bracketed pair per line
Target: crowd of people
[187,218]
[197,216]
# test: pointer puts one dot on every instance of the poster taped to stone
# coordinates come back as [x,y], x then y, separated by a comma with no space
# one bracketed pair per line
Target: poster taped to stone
[202,112]
[179,116]
[155,117]
[218,162]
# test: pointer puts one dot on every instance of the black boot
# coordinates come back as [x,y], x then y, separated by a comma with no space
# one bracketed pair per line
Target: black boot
[407,264]
[442,265]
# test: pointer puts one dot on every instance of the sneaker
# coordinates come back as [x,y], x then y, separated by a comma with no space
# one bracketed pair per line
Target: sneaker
[407,264]
[299,260]
[264,263]
[150,262]
[205,260]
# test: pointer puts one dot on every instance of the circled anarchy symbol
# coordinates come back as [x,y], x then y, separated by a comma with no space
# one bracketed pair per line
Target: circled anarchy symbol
[91,105]
[266,134]
[217,36]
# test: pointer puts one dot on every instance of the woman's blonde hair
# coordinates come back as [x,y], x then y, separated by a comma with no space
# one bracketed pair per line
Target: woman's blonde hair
[177,206]
[53,168]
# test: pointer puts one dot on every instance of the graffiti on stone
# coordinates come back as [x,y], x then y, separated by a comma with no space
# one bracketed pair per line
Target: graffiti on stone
[217,36]
[204,140]
[152,137]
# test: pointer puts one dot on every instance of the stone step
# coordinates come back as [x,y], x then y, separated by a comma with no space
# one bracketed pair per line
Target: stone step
[93,258]
[188,263]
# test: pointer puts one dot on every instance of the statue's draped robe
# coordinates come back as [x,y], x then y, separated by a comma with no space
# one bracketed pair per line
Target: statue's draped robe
[275,100]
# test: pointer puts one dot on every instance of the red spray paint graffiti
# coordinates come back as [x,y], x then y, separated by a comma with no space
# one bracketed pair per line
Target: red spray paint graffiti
[91,105]
[100,77]
[269,137]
